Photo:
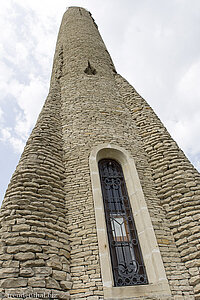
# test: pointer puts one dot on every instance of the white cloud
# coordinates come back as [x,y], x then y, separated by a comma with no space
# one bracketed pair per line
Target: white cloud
[7,137]
[188,86]
[1,115]
[30,99]
[26,59]
[185,122]
[6,74]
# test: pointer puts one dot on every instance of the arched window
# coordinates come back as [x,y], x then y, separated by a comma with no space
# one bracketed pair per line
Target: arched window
[126,257]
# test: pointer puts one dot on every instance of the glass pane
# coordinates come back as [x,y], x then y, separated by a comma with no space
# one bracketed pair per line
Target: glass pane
[119,228]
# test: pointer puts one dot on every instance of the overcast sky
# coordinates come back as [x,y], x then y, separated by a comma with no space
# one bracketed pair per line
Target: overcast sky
[155,45]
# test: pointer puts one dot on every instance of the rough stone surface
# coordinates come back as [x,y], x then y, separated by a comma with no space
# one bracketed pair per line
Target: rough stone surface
[48,229]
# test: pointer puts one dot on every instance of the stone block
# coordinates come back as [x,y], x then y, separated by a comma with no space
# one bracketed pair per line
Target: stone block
[13,282]
[42,271]
[33,234]
[24,248]
[9,272]
[21,256]
[52,283]
[59,275]
[64,253]
[78,291]
[10,264]
[63,295]
[33,263]
[37,240]
[66,285]
[54,263]
[21,227]
[36,282]
[16,240]
[197,289]
[26,272]
[195,280]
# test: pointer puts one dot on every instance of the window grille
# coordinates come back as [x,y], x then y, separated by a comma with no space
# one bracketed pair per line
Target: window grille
[126,257]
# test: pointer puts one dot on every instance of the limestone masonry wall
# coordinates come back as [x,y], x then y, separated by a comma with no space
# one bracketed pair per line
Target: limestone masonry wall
[48,228]
[34,253]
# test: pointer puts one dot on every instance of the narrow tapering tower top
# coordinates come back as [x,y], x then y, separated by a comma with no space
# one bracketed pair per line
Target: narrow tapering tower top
[80,40]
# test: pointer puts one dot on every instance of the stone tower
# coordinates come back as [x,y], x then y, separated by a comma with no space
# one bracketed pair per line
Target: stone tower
[103,204]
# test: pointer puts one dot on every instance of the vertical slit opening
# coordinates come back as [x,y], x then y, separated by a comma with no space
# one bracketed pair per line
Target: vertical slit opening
[90,70]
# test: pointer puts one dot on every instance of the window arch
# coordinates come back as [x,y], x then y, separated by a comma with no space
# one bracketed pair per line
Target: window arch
[155,272]
[126,257]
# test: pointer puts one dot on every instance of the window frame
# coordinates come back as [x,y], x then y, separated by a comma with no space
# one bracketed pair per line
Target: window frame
[158,283]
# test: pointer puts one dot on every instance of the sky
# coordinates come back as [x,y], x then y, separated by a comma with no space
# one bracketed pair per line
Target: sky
[154,44]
